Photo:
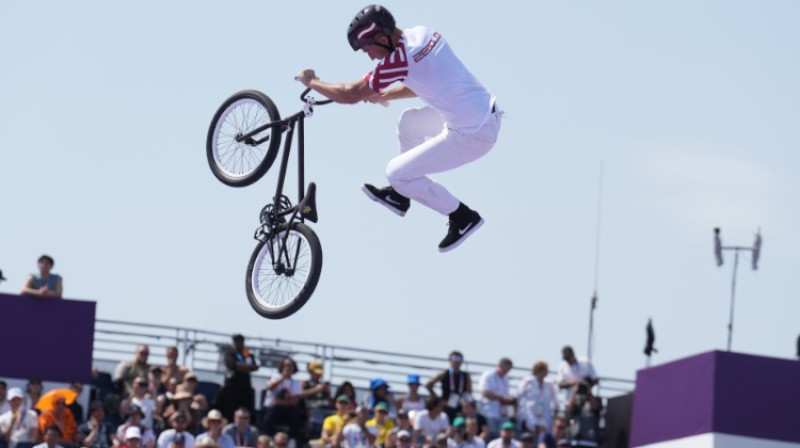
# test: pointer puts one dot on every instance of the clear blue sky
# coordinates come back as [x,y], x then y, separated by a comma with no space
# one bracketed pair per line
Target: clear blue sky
[692,107]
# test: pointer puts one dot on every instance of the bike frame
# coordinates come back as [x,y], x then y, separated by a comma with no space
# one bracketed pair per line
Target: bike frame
[305,197]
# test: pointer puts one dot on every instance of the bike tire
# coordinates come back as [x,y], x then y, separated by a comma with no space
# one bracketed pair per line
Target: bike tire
[276,295]
[239,164]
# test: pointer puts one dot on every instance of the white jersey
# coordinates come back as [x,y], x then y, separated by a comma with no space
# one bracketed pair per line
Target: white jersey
[424,62]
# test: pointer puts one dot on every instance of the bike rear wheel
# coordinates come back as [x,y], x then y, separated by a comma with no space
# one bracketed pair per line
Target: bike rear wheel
[279,282]
[239,164]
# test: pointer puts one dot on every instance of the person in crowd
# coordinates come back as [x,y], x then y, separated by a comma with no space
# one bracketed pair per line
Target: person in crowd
[454,384]
[4,405]
[179,440]
[318,402]
[172,369]
[62,418]
[472,439]
[129,370]
[95,431]
[469,409]
[379,393]
[412,401]
[583,410]
[214,422]
[527,440]
[75,407]
[237,391]
[431,421]
[380,424]
[537,399]
[199,401]
[281,440]
[179,422]
[19,424]
[46,284]
[572,371]
[264,441]
[347,388]
[404,438]
[402,422]
[281,405]
[182,403]
[33,392]
[241,430]
[134,419]
[506,439]
[557,433]
[132,438]
[141,398]
[495,396]
[51,438]
[459,438]
[355,434]
[333,424]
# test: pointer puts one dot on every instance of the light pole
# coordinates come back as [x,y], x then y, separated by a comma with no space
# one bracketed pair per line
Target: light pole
[756,253]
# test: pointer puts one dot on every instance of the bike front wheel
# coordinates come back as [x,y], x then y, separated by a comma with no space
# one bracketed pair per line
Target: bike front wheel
[240,163]
[281,277]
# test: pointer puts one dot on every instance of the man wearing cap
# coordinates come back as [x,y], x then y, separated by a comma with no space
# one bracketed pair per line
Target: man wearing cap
[213,423]
[495,396]
[333,424]
[527,440]
[18,424]
[134,420]
[413,401]
[453,382]
[96,433]
[506,439]
[317,400]
[404,438]
[133,438]
[380,425]
[179,421]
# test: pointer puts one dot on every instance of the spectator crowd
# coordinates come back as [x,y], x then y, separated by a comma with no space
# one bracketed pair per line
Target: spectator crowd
[160,406]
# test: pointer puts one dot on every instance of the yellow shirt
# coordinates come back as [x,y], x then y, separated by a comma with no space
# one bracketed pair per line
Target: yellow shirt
[333,423]
[379,431]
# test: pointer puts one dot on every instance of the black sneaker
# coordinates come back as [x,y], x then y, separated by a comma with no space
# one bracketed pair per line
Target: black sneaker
[387,197]
[459,229]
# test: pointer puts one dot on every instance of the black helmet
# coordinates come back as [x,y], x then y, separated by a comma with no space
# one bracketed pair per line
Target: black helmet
[366,25]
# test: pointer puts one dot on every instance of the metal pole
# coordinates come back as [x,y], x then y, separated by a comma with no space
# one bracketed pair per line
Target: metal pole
[733,296]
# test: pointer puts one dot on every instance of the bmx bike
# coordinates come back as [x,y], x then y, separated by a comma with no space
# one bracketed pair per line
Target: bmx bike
[243,142]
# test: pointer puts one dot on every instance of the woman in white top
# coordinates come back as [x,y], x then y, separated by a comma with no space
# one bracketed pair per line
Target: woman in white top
[537,400]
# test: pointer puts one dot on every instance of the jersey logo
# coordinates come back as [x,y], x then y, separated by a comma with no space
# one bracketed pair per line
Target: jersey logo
[418,56]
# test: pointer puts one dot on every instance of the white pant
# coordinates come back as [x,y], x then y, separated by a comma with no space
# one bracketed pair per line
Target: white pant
[427,146]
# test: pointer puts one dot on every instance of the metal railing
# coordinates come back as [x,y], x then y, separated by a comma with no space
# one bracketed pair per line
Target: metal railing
[202,351]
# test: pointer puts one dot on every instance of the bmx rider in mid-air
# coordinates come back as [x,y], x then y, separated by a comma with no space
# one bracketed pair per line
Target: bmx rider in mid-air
[458,124]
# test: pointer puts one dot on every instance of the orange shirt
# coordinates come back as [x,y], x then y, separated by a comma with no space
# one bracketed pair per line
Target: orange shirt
[67,424]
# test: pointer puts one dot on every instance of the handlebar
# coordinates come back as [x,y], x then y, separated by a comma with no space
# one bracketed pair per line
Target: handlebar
[318,103]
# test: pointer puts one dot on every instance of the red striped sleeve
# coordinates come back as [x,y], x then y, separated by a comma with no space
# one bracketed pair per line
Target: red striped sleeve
[392,68]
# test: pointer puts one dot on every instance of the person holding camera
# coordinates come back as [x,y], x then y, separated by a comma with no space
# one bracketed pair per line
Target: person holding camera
[574,370]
